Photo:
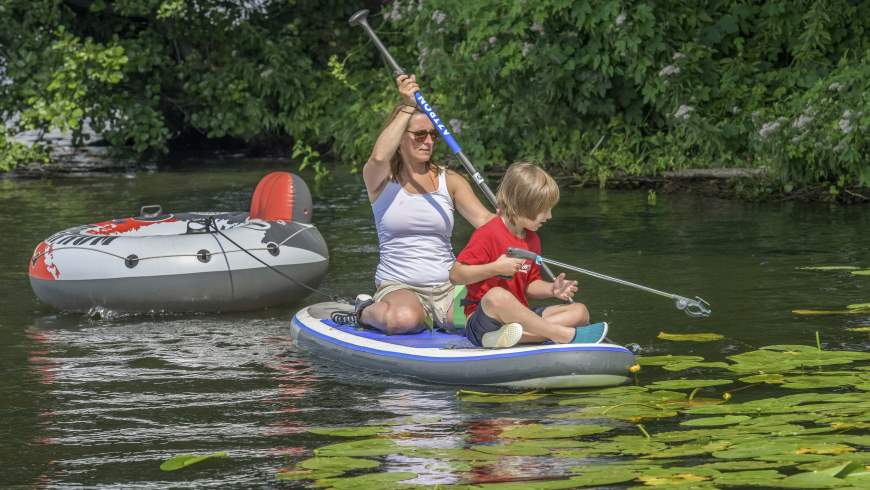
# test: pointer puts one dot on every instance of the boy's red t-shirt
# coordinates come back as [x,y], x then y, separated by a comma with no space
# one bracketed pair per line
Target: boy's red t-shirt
[489,242]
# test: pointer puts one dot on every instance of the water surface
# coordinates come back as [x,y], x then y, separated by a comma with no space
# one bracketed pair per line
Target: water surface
[102,401]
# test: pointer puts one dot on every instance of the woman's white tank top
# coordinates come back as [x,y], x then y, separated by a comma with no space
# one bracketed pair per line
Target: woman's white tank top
[414,233]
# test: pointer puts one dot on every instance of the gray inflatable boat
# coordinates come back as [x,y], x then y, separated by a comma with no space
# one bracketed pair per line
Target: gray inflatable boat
[450,359]
[188,262]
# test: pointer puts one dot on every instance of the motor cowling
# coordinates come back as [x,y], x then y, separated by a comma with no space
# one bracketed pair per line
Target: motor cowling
[282,196]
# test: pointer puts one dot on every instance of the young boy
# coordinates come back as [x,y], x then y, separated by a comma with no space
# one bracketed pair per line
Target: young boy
[498,286]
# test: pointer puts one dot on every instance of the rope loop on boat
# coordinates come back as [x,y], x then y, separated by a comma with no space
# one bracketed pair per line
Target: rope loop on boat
[210,226]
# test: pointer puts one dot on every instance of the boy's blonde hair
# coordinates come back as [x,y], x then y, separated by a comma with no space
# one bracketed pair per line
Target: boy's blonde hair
[526,190]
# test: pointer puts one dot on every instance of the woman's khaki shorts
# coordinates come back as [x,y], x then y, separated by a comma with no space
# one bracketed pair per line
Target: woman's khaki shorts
[436,300]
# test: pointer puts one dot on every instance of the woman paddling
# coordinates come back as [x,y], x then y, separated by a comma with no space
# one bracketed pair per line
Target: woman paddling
[413,201]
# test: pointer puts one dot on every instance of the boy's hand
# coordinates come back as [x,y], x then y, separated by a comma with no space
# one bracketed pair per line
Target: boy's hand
[507,266]
[563,288]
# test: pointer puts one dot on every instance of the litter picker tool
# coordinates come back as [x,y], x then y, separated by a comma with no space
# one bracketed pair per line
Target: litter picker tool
[697,308]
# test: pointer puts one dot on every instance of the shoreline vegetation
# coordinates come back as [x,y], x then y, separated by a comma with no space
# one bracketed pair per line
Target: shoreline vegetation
[748,101]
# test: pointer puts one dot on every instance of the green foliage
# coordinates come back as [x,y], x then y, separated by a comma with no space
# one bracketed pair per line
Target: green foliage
[661,85]
[13,153]
[670,84]
[309,158]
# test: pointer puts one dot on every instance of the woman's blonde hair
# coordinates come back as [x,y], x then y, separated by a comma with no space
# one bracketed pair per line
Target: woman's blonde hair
[526,190]
[396,161]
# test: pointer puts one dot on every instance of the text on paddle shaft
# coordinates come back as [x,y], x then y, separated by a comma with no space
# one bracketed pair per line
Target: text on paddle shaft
[431,113]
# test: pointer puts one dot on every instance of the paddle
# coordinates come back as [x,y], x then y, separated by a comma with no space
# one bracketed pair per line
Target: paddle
[697,307]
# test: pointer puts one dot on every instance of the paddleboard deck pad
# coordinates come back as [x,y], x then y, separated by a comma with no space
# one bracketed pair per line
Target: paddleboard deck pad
[450,359]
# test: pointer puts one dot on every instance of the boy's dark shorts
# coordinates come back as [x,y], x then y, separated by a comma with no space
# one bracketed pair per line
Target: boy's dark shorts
[480,323]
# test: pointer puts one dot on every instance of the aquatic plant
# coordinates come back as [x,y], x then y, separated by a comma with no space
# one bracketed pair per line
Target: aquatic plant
[811,438]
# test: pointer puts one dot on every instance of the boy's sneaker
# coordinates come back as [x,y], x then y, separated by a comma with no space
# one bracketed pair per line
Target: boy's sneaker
[590,334]
[347,318]
[507,336]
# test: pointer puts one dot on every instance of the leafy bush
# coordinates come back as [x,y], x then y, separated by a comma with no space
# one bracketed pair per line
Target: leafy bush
[594,87]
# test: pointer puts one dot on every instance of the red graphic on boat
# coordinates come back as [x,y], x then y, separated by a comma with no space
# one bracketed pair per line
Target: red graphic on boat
[123,225]
[42,265]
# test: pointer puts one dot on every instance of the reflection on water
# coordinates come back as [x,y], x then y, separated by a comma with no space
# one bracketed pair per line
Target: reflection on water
[103,402]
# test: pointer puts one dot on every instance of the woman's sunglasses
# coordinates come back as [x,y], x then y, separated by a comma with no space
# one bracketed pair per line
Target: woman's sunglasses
[420,136]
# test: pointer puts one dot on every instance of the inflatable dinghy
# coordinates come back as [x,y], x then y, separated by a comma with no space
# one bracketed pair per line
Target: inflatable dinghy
[185,262]
[450,359]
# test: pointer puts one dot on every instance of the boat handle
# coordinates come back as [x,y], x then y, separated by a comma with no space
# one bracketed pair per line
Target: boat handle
[150,211]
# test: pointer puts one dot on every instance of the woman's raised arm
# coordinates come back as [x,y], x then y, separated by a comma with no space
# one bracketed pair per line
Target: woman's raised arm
[377,169]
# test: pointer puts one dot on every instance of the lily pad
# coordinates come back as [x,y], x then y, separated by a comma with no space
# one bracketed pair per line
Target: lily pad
[842,470]
[772,379]
[744,465]
[185,460]
[685,450]
[829,268]
[670,477]
[683,384]
[824,312]
[690,337]
[633,412]
[374,481]
[779,419]
[363,447]
[482,397]
[644,397]
[820,381]
[613,391]
[716,421]
[339,464]
[552,431]
[582,453]
[859,306]
[629,445]
[788,448]
[790,348]
[783,358]
[865,272]
[865,328]
[366,431]
[680,366]
[811,480]
[697,401]
[760,478]
[667,359]
[603,477]
[846,424]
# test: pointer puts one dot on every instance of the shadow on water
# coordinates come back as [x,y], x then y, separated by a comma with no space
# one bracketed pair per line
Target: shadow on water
[100,402]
